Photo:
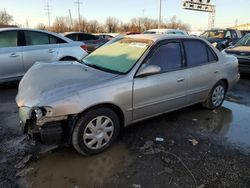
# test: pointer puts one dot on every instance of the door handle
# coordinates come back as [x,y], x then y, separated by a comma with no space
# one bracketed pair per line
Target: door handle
[13,55]
[180,79]
[51,50]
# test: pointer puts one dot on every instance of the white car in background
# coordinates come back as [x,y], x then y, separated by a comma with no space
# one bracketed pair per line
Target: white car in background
[21,48]
[166,31]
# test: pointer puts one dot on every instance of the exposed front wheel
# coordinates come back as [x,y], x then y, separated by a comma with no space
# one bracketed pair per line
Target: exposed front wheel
[95,131]
[216,96]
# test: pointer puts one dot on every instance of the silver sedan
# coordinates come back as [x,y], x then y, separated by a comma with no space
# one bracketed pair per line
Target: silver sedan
[21,48]
[138,77]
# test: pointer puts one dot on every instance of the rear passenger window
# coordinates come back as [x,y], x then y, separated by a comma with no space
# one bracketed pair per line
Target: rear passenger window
[8,39]
[196,53]
[55,40]
[211,55]
[36,38]
[72,37]
[168,57]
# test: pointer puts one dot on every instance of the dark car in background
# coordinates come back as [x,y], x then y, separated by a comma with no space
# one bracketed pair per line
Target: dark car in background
[92,41]
[242,51]
[222,38]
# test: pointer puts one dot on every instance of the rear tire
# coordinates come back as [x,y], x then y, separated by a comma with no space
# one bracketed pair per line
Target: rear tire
[216,96]
[95,131]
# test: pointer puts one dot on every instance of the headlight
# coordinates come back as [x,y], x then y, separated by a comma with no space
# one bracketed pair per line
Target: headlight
[39,112]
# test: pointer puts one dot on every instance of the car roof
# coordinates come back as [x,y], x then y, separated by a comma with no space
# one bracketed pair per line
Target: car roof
[38,30]
[158,37]
[76,32]
[164,30]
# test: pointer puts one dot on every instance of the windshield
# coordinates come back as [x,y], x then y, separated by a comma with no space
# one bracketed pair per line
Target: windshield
[244,41]
[118,57]
[213,34]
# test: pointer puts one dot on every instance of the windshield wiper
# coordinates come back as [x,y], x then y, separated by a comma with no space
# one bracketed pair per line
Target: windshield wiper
[102,68]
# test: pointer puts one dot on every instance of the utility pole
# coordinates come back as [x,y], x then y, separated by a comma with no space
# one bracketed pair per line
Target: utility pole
[79,16]
[48,11]
[159,24]
[71,21]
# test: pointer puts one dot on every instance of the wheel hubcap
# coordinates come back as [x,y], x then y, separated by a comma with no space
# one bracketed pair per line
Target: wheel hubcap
[98,132]
[218,95]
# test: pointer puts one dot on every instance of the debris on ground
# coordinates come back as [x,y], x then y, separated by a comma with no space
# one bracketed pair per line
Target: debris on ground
[193,141]
[168,170]
[201,186]
[159,139]
[23,162]
[136,185]
[24,172]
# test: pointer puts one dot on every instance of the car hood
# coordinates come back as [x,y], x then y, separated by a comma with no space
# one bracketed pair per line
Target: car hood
[49,82]
[239,49]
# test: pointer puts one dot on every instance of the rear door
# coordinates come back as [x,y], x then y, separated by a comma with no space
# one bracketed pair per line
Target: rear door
[11,64]
[159,93]
[39,47]
[203,69]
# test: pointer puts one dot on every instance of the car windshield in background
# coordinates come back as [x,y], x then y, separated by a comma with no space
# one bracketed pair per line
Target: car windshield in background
[213,34]
[149,32]
[118,57]
[245,41]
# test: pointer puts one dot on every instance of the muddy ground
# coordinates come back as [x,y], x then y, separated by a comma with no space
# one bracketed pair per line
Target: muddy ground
[197,148]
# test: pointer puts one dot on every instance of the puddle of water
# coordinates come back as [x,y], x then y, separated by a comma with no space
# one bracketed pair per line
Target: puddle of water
[67,168]
[239,130]
[231,121]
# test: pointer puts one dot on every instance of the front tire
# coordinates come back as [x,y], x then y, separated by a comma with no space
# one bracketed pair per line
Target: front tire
[216,96]
[95,131]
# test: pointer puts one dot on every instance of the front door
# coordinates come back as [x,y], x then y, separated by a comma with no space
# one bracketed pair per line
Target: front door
[166,91]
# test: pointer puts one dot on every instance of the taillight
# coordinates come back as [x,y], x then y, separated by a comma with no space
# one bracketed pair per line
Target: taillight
[84,47]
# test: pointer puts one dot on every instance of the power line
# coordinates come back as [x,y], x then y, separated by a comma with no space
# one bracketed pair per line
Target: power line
[48,11]
[79,16]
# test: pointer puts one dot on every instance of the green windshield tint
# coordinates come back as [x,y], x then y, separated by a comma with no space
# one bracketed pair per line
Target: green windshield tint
[119,56]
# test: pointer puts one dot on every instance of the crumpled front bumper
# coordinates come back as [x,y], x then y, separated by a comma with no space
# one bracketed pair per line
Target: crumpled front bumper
[47,132]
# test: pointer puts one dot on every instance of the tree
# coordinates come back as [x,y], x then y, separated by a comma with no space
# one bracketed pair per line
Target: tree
[112,24]
[5,18]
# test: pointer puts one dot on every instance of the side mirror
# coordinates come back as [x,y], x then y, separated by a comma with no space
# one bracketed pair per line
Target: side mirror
[148,70]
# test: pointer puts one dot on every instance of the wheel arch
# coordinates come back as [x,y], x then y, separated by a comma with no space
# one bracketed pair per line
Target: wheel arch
[67,57]
[112,106]
[225,81]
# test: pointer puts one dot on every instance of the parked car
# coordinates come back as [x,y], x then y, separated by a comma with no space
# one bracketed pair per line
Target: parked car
[21,48]
[105,36]
[166,31]
[133,79]
[242,51]
[92,41]
[222,38]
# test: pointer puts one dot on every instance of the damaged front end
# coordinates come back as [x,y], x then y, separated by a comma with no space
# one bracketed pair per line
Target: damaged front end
[39,125]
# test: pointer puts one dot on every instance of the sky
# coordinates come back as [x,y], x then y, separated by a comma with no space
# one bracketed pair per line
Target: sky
[33,11]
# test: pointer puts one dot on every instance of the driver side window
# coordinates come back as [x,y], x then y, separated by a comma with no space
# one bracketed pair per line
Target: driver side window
[168,57]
